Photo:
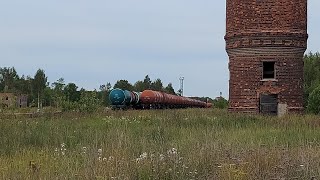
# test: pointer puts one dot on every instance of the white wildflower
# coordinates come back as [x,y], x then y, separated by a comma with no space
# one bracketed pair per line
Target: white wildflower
[144,155]
[63,149]
[152,156]
[99,154]
[161,157]
[111,158]
[99,151]
[172,151]
[84,150]
[138,160]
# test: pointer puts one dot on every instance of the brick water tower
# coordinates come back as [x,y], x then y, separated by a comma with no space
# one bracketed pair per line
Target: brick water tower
[265,42]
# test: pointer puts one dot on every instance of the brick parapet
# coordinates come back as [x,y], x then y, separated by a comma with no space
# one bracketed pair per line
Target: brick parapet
[261,16]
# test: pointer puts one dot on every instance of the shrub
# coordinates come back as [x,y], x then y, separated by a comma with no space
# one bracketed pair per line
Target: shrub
[220,103]
[314,101]
[69,106]
[89,102]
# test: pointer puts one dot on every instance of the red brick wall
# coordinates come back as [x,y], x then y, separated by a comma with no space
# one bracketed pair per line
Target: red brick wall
[266,16]
[266,30]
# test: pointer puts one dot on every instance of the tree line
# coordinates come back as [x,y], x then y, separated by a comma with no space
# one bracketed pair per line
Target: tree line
[68,96]
[147,83]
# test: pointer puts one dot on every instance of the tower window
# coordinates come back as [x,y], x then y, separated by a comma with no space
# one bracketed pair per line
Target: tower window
[268,70]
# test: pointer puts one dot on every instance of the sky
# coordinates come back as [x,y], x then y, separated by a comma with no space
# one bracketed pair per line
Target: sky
[94,42]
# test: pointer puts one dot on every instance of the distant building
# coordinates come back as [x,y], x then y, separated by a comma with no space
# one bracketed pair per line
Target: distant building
[12,100]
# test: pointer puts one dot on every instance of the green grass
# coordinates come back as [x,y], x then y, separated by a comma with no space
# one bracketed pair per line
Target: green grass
[164,144]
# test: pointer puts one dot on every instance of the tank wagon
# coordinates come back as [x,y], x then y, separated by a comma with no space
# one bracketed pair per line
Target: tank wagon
[123,99]
[149,99]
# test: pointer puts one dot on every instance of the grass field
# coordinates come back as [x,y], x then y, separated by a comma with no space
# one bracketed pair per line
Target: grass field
[164,144]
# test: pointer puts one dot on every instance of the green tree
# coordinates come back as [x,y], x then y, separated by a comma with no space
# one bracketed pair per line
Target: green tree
[23,85]
[314,101]
[39,83]
[169,89]
[8,79]
[71,93]
[139,86]
[58,93]
[147,82]
[157,85]
[48,96]
[89,102]
[220,103]
[104,93]
[311,73]
[123,84]
[105,87]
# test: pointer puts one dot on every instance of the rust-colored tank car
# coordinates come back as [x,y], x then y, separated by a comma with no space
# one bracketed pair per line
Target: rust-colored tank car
[149,99]
[149,96]
[156,99]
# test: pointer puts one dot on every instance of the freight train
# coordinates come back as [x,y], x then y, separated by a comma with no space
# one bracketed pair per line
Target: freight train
[149,99]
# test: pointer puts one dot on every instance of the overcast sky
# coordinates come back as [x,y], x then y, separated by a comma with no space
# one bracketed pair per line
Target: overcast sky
[98,41]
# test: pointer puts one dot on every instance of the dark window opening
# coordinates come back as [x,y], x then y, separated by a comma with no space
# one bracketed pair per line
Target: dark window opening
[268,70]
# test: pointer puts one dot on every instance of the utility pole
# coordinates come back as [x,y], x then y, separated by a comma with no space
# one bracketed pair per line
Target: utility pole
[181,85]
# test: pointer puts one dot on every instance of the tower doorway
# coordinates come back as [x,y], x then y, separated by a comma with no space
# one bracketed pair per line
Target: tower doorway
[269,104]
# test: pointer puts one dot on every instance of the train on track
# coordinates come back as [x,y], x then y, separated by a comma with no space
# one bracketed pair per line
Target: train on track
[149,99]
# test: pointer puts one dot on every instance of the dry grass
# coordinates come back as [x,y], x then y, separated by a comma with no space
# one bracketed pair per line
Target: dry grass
[166,144]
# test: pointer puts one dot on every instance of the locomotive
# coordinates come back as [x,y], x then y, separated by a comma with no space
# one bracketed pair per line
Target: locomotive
[149,99]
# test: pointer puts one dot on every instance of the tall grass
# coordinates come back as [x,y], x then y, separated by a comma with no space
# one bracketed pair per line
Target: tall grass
[164,144]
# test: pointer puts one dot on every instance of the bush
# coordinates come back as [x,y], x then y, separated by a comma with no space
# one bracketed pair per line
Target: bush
[220,103]
[89,102]
[314,101]
[69,106]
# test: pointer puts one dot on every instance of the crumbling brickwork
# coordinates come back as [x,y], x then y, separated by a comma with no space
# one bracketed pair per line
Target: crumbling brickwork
[261,31]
